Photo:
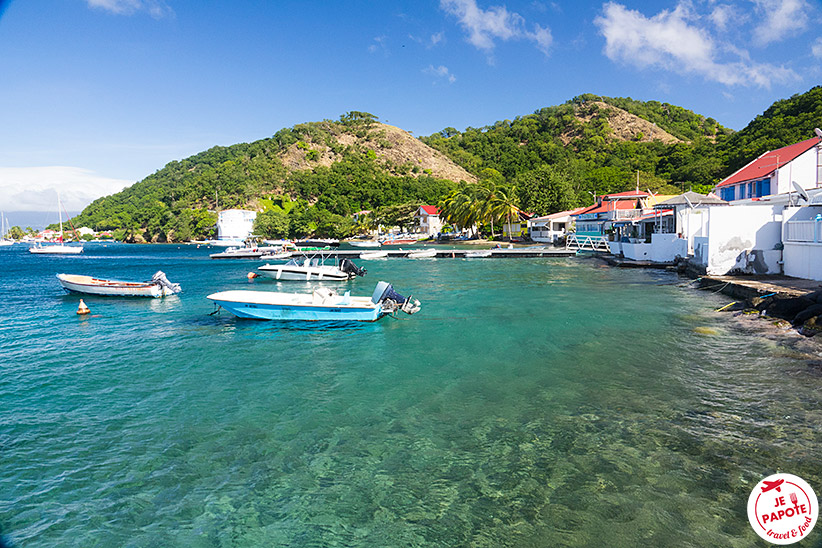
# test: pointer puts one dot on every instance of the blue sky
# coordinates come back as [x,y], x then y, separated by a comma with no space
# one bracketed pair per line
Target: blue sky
[98,94]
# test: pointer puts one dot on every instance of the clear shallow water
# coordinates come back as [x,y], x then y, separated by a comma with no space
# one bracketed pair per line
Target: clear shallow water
[531,402]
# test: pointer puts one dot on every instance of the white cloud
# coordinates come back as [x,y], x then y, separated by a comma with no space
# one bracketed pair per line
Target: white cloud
[35,188]
[484,27]
[669,40]
[379,45]
[441,72]
[156,8]
[780,19]
[816,48]
[724,14]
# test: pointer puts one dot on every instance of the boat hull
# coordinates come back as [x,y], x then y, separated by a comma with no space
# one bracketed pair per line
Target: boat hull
[422,254]
[57,250]
[87,285]
[264,305]
[303,274]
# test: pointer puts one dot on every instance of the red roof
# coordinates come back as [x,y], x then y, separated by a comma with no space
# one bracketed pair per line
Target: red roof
[604,207]
[628,194]
[431,210]
[769,162]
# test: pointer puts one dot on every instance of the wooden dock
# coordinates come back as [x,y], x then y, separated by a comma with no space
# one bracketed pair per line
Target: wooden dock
[449,253]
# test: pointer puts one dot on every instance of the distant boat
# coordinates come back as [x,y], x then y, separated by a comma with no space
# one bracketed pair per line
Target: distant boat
[61,248]
[159,286]
[400,241]
[364,243]
[4,231]
[317,242]
[322,304]
[371,255]
[245,252]
[478,254]
[422,254]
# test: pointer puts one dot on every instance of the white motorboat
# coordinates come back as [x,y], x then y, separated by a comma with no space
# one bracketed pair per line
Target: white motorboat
[311,269]
[159,286]
[364,243]
[276,256]
[422,254]
[372,255]
[478,254]
[322,304]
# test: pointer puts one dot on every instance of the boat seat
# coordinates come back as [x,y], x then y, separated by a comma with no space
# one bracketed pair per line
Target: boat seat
[323,295]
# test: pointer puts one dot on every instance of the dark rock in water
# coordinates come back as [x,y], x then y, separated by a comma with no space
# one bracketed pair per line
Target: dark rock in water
[789,308]
[815,296]
[807,314]
[761,303]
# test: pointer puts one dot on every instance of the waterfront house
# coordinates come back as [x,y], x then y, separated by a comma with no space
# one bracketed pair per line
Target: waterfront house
[428,219]
[553,227]
[775,172]
[516,226]
[594,224]
[667,231]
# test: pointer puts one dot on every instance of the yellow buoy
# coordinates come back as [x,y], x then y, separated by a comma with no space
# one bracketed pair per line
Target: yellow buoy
[252,275]
[82,309]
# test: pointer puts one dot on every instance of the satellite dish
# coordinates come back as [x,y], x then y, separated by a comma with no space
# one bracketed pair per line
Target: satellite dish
[801,191]
[818,132]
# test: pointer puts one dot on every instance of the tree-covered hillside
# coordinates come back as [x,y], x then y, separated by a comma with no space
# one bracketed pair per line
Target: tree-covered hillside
[179,202]
[311,178]
[578,149]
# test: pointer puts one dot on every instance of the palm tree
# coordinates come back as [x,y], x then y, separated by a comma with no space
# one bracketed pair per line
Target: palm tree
[506,204]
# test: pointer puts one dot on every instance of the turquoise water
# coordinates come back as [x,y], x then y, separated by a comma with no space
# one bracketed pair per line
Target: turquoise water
[532,402]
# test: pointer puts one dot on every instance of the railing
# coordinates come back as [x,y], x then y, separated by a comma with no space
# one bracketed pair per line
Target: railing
[803,231]
[576,242]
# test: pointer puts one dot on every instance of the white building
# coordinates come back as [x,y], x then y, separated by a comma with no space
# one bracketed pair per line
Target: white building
[550,228]
[775,172]
[235,224]
[428,219]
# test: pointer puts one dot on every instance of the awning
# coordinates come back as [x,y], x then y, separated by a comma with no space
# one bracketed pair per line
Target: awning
[643,218]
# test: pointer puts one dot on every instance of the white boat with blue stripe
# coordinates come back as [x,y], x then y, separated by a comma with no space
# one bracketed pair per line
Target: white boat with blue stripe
[323,304]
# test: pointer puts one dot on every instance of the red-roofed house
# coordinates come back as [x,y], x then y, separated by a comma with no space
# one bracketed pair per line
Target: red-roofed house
[774,172]
[428,218]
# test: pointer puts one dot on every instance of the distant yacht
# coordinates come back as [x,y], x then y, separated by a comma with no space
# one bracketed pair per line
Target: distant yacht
[61,248]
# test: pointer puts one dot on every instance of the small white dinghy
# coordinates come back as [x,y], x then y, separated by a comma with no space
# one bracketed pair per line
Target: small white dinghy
[159,286]
[422,254]
[322,304]
[371,255]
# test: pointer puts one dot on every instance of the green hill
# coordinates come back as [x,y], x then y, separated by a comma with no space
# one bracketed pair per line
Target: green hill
[311,178]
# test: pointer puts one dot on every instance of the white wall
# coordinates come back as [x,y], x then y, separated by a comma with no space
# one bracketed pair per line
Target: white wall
[664,248]
[802,259]
[235,224]
[745,238]
[803,170]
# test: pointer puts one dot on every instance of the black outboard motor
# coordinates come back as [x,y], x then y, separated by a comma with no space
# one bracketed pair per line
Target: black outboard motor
[392,301]
[347,266]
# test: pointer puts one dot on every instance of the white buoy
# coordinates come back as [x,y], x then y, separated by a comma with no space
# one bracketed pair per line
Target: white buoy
[82,309]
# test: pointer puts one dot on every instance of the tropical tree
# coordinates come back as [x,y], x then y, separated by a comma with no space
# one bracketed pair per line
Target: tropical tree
[506,204]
